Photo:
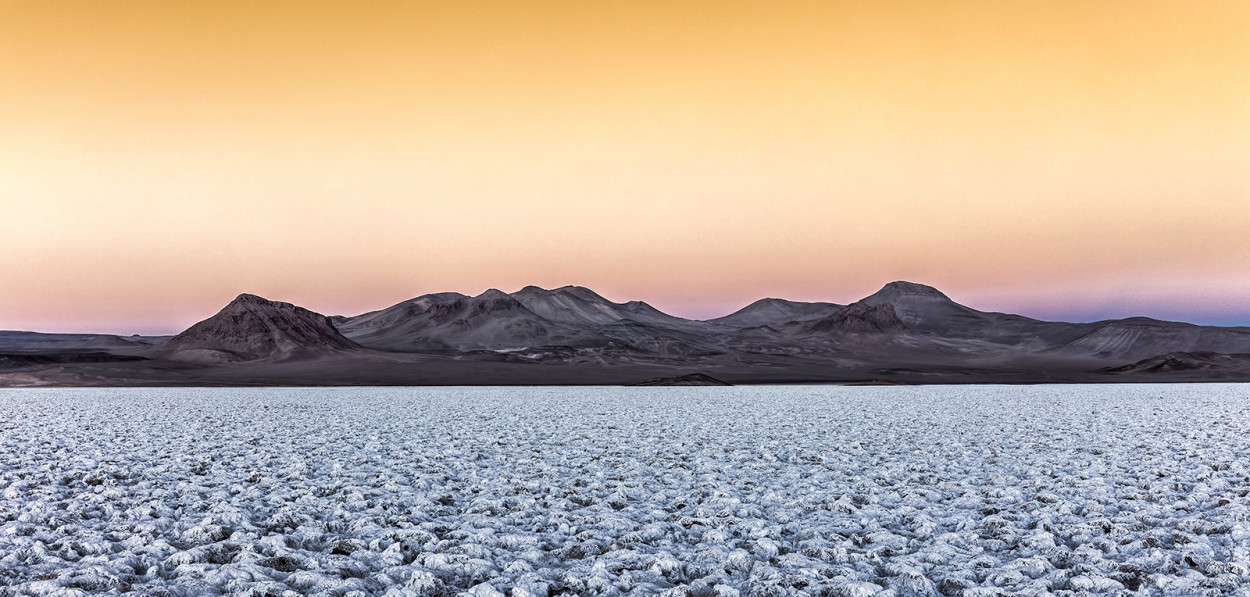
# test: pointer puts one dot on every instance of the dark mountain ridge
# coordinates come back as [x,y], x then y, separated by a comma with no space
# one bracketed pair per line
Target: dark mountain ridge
[903,333]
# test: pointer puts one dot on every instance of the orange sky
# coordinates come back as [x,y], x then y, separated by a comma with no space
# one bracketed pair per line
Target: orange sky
[1062,159]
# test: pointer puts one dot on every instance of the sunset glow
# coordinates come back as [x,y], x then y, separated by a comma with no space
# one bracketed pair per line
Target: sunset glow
[1065,160]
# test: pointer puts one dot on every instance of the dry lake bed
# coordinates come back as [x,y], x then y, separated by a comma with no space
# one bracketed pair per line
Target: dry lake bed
[806,490]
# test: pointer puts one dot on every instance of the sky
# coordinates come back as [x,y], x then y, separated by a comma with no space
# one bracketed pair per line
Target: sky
[1062,159]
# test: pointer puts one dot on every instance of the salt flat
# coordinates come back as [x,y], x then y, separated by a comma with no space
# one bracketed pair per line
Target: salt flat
[974,490]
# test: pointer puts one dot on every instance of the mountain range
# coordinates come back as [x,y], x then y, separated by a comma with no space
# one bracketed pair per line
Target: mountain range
[904,333]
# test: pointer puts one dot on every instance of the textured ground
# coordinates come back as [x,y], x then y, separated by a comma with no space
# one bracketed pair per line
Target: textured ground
[975,490]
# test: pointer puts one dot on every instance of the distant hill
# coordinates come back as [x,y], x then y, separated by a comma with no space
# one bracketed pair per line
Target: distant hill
[775,312]
[251,328]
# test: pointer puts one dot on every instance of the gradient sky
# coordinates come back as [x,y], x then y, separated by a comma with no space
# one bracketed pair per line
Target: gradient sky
[1063,159]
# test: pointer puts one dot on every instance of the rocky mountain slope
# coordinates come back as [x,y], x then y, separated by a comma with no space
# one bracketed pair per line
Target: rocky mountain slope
[252,328]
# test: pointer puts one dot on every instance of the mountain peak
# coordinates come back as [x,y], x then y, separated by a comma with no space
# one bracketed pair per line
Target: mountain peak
[426,300]
[254,301]
[901,289]
[250,299]
[493,293]
[580,292]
